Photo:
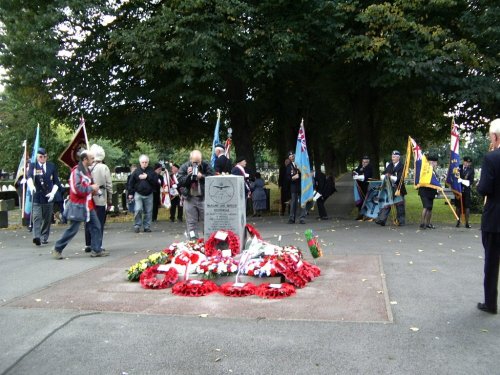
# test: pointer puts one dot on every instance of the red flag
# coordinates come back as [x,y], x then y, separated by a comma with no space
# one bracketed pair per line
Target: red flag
[78,143]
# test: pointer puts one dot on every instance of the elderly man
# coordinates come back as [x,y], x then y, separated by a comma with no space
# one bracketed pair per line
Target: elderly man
[293,178]
[361,175]
[222,163]
[394,172]
[140,188]
[81,208]
[489,187]
[43,183]
[191,183]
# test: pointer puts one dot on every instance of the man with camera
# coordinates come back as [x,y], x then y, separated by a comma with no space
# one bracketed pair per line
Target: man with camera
[191,182]
[43,183]
[140,188]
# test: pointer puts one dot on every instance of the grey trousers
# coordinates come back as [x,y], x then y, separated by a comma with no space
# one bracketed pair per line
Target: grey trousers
[42,218]
[194,207]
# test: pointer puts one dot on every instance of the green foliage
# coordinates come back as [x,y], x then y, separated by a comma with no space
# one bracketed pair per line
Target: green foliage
[143,148]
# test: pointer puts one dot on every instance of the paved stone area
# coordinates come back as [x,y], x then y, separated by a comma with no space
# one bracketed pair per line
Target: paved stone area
[433,281]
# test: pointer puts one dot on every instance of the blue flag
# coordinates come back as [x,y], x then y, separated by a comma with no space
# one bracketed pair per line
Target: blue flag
[216,139]
[370,206]
[454,168]
[29,198]
[302,161]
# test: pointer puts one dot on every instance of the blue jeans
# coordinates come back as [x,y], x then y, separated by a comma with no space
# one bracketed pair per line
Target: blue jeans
[143,206]
[95,233]
[101,215]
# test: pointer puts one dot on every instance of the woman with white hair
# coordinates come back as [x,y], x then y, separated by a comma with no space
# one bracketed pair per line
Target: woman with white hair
[100,176]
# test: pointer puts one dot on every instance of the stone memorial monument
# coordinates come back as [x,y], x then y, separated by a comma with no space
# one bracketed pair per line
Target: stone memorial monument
[225,205]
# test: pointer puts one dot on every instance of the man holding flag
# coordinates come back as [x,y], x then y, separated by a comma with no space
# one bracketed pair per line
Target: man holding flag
[427,195]
[43,183]
[466,179]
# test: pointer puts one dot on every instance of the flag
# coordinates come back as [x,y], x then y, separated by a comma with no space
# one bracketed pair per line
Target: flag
[454,168]
[227,148]
[370,206]
[216,139]
[21,169]
[29,198]
[358,193]
[78,143]
[302,161]
[424,173]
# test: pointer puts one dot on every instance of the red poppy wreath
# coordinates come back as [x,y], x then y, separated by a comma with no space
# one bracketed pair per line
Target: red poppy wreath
[149,278]
[275,291]
[214,246]
[253,231]
[237,289]
[194,288]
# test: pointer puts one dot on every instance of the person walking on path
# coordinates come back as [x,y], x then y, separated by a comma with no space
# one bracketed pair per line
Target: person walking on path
[43,183]
[80,207]
[489,187]
[140,188]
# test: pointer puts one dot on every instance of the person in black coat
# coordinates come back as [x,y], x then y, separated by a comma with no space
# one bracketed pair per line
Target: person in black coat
[394,172]
[293,176]
[157,192]
[361,175]
[319,187]
[222,163]
[467,180]
[427,195]
[489,187]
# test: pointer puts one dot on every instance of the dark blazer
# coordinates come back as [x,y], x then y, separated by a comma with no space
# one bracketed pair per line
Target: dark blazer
[237,172]
[398,172]
[44,181]
[222,165]
[367,172]
[489,187]
[467,174]
[319,182]
[294,184]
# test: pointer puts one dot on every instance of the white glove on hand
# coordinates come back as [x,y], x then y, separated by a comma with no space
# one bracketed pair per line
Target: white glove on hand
[355,177]
[382,177]
[31,186]
[393,179]
[52,194]
[174,186]
[361,178]
[459,180]
[466,183]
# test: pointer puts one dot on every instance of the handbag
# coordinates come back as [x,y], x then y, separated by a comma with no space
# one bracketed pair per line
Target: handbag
[75,211]
[166,201]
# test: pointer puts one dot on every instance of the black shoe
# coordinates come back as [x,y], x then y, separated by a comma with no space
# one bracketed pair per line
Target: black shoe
[430,226]
[37,241]
[179,220]
[468,226]
[147,230]
[302,221]
[422,226]
[483,307]
[87,249]
[379,222]
[291,221]
[325,218]
[172,220]
[136,230]
[458,224]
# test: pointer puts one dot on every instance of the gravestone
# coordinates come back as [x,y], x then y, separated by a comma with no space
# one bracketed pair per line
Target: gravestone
[225,205]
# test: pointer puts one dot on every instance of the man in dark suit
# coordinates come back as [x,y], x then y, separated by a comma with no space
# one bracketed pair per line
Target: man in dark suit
[43,183]
[467,180]
[361,175]
[222,163]
[321,196]
[394,172]
[489,187]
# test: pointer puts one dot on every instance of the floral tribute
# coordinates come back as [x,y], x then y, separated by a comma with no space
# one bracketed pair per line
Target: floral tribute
[149,278]
[275,291]
[313,243]
[194,288]
[214,245]
[215,266]
[237,289]
[219,256]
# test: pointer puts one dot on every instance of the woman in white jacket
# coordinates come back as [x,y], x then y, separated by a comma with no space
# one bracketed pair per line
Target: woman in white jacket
[100,176]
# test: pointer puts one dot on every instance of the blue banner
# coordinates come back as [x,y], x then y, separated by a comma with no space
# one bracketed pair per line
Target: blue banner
[370,206]
[29,198]
[302,161]
[216,139]
[454,168]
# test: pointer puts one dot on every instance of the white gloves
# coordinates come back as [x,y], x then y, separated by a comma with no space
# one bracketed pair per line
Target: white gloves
[382,177]
[464,182]
[174,186]
[394,179]
[359,178]
[31,186]
[52,194]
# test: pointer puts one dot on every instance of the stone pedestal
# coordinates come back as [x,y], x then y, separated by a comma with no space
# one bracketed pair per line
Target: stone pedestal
[225,205]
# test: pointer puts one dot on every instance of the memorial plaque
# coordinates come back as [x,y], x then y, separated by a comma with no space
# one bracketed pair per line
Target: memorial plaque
[225,205]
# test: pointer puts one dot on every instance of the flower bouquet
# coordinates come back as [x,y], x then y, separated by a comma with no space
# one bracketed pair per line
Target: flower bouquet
[135,271]
[214,266]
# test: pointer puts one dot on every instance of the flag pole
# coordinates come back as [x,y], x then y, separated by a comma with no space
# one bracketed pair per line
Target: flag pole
[82,121]
[449,204]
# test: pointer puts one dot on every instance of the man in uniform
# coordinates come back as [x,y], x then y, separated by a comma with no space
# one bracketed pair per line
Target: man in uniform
[489,187]
[361,175]
[293,177]
[394,172]
[222,163]
[43,183]
[467,180]
[427,195]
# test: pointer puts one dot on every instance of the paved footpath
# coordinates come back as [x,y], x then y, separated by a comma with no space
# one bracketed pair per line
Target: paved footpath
[430,282]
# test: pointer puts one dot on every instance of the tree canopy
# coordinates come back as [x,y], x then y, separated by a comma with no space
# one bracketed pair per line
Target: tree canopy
[362,74]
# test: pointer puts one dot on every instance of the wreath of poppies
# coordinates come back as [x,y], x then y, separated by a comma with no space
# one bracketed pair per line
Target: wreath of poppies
[275,291]
[237,289]
[253,231]
[212,244]
[149,278]
[194,288]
